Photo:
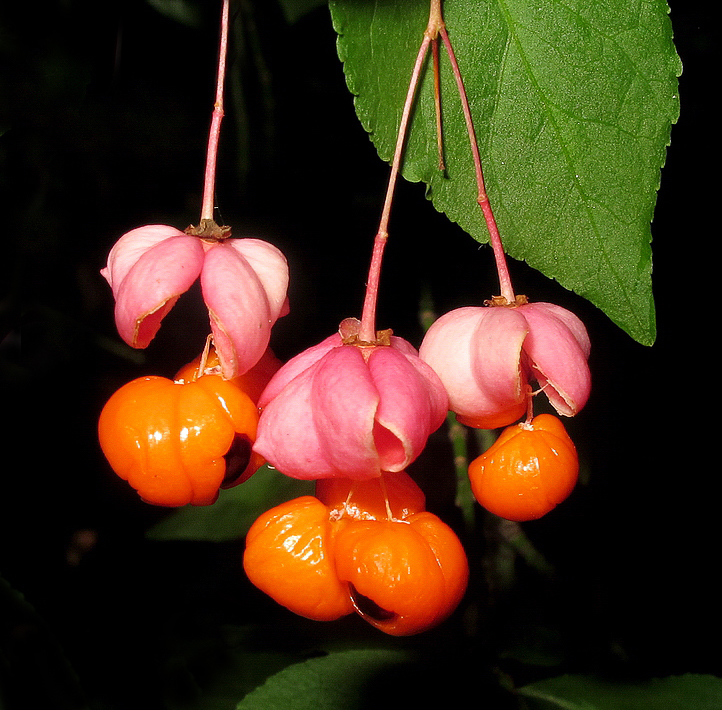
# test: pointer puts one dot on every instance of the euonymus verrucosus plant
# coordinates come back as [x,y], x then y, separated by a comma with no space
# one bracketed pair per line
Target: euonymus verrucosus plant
[568,109]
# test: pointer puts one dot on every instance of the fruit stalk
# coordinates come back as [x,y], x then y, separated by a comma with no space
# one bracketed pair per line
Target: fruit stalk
[435,29]
[482,198]
[209,180]
[367,331]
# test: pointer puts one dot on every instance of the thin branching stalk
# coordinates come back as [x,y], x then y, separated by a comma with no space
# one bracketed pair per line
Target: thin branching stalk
[209,180]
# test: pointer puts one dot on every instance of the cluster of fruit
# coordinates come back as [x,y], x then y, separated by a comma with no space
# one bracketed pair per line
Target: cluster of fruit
[348,413]
[352,413]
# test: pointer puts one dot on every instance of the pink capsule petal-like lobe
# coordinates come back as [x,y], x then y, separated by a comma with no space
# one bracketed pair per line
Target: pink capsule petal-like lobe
[485,356]
[557,348]
[296,366]
[148,269]
[476,352]
[320,424]
[344,403]
[271,267]
[130,247]
[413,403]
[287,437]
[244,284]
[242,304]
[573,323]
[349,411]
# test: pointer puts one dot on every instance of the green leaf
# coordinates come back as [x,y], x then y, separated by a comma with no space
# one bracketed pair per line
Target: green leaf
[572,104]
[334,682]
[570,692]
[235,510]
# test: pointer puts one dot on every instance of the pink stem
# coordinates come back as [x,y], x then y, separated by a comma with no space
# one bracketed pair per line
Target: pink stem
[367,330]
[483,199]
[437,102]
[209,180]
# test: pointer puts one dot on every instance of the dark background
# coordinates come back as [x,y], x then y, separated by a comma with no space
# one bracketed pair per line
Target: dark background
[107,107]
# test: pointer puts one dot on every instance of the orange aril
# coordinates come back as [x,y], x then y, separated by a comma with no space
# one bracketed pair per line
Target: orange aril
[530,469]
[180,442]
[288,557]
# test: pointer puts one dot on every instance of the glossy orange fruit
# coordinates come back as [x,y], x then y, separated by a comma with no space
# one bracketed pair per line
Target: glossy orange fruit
[288,556]
[403,577]
[180,442]
[529,470]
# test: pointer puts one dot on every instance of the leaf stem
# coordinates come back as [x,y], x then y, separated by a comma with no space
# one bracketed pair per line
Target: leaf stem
[482,198]
[209,180]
